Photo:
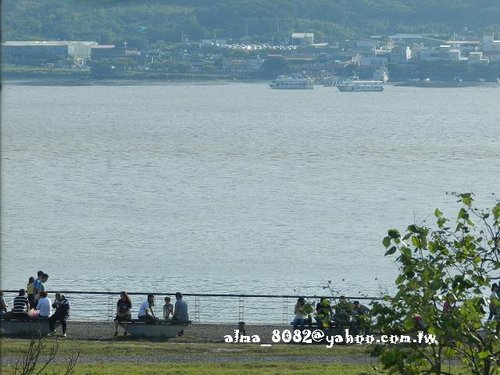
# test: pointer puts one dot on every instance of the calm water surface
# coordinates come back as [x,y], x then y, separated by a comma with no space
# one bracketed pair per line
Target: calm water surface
[231,188]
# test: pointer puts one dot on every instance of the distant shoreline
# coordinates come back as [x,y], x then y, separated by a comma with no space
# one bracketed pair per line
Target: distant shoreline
[111,82]
[442,84]
[58,80]
[66,81]
[79,77]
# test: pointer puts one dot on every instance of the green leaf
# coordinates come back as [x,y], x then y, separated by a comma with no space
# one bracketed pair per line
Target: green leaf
[391,251]
[391,358]
[409,324]
[484,354]
[449,352]
[466,199]
[438,213]
[406,252]
[413,228]
[496,211]
[400,279]
[386,241]
[432,248]
[441,221]
[435,284]
[394,234]
[410,274]
[416,242]
[463,214]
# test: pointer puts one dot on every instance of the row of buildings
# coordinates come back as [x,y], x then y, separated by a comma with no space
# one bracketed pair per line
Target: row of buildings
[80,52]
[406,48]
[372,52]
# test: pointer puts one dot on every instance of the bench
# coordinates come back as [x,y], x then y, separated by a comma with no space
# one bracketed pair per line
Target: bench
[25,326]
[165,329]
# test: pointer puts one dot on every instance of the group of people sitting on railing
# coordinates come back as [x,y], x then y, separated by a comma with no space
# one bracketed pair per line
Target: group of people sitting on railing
[344,314]
[178,313]
[34,303]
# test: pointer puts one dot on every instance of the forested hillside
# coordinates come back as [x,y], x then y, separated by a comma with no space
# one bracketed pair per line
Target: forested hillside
[145,22]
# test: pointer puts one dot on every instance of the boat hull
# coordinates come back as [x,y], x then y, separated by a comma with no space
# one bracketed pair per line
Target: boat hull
[292,87]
[357,88]
[292,83]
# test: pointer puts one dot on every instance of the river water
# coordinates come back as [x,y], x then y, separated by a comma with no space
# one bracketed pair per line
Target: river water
[231,187]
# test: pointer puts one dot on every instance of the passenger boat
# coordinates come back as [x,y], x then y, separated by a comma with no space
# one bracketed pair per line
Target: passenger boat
[354,84]
[164,329]
[292,83]
[333,81]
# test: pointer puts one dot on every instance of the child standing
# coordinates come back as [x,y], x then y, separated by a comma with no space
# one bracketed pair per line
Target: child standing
[168,309]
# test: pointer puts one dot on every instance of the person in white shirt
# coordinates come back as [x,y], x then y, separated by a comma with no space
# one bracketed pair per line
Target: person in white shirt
[146,311]
[44,305]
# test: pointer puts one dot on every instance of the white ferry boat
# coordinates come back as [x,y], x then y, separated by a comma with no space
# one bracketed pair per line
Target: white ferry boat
[354,84]
[292,83]
[333,81]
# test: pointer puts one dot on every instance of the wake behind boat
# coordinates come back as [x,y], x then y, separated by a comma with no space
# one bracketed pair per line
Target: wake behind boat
[292,83]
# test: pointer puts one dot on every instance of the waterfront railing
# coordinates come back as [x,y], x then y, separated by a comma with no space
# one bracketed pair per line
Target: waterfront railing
[203,307]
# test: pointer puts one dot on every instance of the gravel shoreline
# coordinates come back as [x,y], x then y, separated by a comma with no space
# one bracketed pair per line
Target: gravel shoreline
[194,333]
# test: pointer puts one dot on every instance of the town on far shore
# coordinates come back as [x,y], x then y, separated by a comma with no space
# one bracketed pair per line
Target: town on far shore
[406,58]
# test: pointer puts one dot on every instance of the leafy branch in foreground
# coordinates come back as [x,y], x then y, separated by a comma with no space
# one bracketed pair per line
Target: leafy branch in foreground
[444,272]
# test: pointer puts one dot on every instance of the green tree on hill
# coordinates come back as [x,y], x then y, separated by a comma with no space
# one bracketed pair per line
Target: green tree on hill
[148,22]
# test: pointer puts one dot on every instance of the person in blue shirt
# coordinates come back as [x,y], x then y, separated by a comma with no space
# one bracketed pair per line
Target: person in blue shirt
[37,287]
[181,314]
[181,309]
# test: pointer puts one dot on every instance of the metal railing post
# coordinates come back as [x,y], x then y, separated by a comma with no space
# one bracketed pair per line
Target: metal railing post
[110,306]
[197,309]
[241,309]
[285,310]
